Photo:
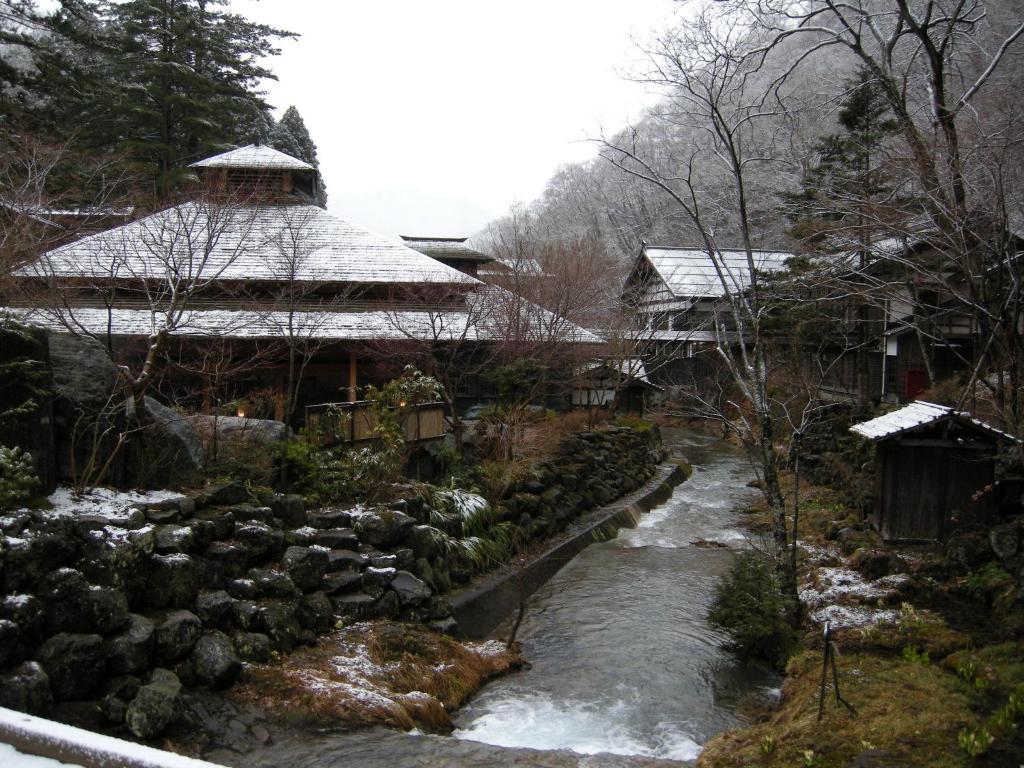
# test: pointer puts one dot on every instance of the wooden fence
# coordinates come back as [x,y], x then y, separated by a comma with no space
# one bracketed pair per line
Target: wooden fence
[337,423]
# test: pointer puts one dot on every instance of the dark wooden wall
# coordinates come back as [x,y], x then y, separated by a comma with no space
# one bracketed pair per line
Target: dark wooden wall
[926,487]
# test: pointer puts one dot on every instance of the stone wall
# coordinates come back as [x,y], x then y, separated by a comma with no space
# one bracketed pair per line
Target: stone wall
[590,469]
[124,608]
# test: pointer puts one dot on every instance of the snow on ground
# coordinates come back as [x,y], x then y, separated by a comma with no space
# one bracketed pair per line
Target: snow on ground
[102,500]
[12,758]
[844,598]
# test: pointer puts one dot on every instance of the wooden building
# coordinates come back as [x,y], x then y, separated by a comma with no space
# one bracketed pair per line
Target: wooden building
[934,470]
[679,297]
[250,269]
[451,251]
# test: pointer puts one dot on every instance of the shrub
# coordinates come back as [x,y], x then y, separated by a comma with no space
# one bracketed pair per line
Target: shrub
[750,608]
[17,477]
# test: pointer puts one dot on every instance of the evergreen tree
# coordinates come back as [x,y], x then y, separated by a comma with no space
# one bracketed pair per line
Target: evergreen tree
[189,73]
[290,135]
[158,83]
[840,195]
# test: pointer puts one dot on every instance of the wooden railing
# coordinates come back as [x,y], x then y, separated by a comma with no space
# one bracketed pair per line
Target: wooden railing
[337,423]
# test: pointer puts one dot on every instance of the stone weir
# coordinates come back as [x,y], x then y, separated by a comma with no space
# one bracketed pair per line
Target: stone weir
[483,605]
[105,618]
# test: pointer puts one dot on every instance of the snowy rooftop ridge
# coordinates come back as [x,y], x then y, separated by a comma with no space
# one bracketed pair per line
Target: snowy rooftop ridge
[691,272]
[254,156]
[275,243]
[918,414]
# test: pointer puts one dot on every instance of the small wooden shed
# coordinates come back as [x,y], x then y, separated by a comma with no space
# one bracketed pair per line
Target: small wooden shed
[932,463]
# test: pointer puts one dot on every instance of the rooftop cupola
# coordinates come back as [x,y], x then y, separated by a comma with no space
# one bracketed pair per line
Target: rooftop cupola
[259,171]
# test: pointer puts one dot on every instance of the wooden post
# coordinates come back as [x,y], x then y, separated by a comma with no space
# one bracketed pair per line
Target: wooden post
[352,376]
[279,395]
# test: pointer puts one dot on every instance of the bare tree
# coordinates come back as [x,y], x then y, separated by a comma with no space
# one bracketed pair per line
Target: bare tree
[147,278]
[703,69]
[947,71]
[444,336]
[299,308]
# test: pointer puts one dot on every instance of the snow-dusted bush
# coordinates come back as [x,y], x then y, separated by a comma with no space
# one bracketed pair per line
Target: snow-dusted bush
[749,606]
[17,477]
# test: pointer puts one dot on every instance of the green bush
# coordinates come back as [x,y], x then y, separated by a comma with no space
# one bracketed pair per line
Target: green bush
[750,608]
[17,477]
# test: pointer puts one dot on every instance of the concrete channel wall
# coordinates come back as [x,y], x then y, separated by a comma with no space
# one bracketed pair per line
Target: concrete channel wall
[482,606]
[39,737]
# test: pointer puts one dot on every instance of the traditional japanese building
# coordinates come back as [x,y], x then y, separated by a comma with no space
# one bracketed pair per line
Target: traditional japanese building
[452,251]
[251,261]
[679,298]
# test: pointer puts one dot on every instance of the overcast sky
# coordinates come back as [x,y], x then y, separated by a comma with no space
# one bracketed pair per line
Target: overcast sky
[432,116]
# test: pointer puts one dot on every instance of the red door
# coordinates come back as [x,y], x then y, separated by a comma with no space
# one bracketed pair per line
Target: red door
[915,383]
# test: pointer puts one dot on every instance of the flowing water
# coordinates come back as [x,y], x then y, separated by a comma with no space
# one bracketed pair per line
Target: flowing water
[623,661]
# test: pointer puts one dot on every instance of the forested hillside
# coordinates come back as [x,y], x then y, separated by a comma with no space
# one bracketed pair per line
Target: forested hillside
[835,116]
[108,101]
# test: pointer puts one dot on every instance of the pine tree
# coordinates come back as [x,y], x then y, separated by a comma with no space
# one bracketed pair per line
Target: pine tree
[290,135]
[840,195]
[159,83]
[189,73]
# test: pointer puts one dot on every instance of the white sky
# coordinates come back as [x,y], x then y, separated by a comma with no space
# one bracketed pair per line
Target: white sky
[431,117]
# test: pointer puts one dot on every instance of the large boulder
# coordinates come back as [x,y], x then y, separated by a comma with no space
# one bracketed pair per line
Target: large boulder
[279,620]
[240,429]
[9,637]
[73,605]
[306,565]
[75,663]
[177,437]
[131,651]
[1005,541]
[382,528]
[410,590]
[174,581]
[177,634]
[85,381]
[214,660]
[156,705]
[83,373]
[252,646]
[26,688]
[215,608]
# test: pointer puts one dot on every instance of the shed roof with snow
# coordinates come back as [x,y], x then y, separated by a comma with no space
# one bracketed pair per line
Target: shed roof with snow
[918,415]
[934,470]
[691,272]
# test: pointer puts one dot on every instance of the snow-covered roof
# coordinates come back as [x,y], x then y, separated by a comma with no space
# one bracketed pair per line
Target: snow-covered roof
[691,272]
[445,248]
[276,243]
[490,315]
[630,367]
[918,414]
[503,265]
[704,337]
[255,156]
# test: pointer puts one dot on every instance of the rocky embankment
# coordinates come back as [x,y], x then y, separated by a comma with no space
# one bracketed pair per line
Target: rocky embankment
[118,610]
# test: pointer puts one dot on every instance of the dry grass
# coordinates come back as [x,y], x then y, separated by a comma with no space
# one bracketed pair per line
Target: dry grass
[376,673]
[908,714]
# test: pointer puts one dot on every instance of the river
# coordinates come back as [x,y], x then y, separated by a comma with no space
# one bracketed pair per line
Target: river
[623,661]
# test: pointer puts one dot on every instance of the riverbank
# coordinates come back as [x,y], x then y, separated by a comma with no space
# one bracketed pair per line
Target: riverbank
[930,655]
[490,598]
